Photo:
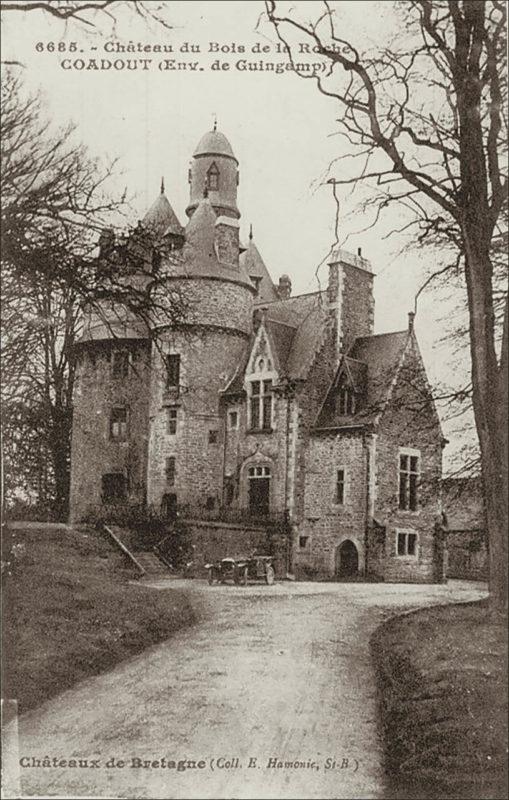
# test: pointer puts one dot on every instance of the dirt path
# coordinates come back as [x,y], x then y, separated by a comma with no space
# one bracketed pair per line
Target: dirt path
[279,672]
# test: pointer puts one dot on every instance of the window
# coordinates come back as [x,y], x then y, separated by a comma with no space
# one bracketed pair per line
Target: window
[406,544]
[233,420]
[408,480]
[172,371]
[170,470]
[156,261]
[212,437]
[118,424]
[210,503]
[213,178]
[259,490]
[340,487]
[114,487]
[346,401]
[229,491]
[303,540]
[172,421]
[120,364]
[261,405]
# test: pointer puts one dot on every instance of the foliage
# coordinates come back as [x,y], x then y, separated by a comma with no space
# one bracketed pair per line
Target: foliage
[423,121]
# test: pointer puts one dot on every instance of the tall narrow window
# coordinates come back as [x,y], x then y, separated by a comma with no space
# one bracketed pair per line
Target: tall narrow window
[261,405]
[346,401]
[255,404]
[408,481]
[213,178]
[172,421]
[118,424]
[267,405]
[120,363]
[340,487]
[172,371]
[170,470]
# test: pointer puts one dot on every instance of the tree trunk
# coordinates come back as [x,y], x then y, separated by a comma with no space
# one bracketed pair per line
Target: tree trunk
[490,409]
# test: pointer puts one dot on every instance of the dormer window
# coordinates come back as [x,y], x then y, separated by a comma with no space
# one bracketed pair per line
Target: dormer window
[346,401]
[213,178]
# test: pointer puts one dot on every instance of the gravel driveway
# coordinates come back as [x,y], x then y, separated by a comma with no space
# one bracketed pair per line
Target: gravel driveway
[271,676]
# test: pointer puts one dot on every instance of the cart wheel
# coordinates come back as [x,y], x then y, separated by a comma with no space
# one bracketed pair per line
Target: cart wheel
[244,577]
[269,575]
[211,576]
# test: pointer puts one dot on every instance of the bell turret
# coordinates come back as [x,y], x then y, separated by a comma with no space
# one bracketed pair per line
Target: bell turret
[215,169]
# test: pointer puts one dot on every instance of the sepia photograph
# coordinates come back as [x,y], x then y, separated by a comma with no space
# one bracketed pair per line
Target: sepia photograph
[254,399]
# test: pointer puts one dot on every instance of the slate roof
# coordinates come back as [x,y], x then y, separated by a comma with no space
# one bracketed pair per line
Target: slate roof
[214,143]
[372,363]
[254,265]
[200,257]
[161,219]
[296,331]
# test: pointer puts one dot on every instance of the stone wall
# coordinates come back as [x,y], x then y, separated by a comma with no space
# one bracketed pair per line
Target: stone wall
[206,359]
[325,524]
[94,452]
[410,421]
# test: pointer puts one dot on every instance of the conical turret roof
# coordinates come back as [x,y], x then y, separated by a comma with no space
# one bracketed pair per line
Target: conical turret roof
[254,265]
[161,219]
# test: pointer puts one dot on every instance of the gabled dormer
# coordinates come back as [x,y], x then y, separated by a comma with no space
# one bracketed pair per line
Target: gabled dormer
[260,378]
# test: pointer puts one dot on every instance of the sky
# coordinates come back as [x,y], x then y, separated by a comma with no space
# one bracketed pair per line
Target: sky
[283,132]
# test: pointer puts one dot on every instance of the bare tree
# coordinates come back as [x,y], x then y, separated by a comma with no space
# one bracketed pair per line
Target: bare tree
[424,118]
[55,204]
[92,14]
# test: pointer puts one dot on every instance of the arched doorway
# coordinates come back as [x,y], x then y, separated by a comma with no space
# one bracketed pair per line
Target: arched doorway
[347,560]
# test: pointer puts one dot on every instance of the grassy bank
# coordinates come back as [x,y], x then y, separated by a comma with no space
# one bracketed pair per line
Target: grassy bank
[442,681]
[68,612]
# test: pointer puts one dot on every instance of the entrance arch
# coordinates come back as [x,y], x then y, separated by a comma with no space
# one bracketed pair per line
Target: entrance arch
[347,560]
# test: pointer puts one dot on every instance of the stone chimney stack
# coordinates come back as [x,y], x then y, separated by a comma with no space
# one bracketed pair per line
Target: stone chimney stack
[284,289]
[106,242]
[350,298]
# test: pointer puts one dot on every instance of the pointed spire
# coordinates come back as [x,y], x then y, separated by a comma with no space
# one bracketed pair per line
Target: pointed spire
[251,233]
[162,185]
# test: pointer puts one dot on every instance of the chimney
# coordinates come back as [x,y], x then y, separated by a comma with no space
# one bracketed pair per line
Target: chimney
[106,242]
[284,289]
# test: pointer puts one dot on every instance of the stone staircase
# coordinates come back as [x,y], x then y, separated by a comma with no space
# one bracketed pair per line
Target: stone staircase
[153,566]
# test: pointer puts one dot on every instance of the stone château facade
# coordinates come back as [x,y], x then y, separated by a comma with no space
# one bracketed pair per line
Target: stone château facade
[248,403]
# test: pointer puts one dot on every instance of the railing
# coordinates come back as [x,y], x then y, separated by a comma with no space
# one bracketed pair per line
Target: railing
[232,515]
[124,549]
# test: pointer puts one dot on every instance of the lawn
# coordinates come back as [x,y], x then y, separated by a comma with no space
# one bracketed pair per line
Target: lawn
[69,611]
[443,697]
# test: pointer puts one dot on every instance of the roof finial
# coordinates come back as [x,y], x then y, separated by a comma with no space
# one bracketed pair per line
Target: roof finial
[251,233]
[215,122]
[411,318]
[162,185]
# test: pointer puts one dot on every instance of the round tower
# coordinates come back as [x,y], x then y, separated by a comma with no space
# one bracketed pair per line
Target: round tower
[195,359]
[111,398]
[215,169]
